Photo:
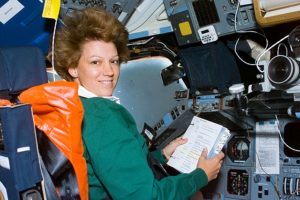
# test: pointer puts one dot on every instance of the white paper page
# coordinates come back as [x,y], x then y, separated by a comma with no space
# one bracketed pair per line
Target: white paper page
[267,148]
[9,10]
[201,133]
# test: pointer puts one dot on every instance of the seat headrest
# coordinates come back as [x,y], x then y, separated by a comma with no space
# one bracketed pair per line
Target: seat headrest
[21,68]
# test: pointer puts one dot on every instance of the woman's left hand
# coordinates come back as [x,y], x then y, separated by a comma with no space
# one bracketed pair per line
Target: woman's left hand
[170,148]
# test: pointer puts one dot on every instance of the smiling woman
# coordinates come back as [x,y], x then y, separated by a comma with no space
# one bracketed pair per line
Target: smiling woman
[95,25]
[88,50]
[98,68]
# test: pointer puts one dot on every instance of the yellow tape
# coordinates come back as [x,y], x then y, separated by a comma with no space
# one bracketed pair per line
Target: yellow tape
[185,28]
[51,9]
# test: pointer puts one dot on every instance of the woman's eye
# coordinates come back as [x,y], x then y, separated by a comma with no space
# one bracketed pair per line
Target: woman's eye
[95,62]
[116,61]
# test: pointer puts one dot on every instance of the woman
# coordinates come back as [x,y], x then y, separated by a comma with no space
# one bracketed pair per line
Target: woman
[88,50]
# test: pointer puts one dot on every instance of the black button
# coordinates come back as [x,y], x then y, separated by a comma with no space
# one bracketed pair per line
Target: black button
[259,195]
[266,192]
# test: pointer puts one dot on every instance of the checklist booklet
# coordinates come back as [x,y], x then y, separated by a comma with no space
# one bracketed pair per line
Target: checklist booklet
[201,133]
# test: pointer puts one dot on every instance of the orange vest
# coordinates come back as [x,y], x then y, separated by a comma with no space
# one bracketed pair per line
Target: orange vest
[58,112]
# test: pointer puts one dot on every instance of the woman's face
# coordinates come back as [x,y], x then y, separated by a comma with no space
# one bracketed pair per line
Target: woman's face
[98,67]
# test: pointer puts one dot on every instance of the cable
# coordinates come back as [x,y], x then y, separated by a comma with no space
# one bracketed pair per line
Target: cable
[240,31]
[138,23]
[140,42]
[258,159]
[167,48]
[261,167]
[235,51]
[158,16]
[285,48]
[285,37]
[235,22]
[52,51]
[266,173]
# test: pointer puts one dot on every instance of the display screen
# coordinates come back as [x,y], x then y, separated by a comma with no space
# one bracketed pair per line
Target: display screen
[205,31]
[292,138]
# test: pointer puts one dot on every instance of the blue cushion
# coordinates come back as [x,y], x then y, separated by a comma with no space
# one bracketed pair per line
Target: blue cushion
[21,68]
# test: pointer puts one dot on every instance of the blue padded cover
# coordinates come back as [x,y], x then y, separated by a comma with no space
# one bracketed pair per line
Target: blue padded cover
[19,133]
[210,66]
[21,68]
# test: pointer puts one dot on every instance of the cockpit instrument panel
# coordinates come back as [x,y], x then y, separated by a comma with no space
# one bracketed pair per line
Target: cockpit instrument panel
[247,169]
[190,18]
[122,9]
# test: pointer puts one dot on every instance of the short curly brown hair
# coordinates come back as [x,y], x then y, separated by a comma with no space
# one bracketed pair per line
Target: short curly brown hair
[80,27]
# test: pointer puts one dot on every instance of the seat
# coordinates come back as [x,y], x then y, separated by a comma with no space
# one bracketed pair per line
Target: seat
[47,165]
[58,113]
[18,147]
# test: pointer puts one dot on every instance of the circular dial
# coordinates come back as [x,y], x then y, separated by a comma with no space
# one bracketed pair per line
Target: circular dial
[237,182]
[238,149]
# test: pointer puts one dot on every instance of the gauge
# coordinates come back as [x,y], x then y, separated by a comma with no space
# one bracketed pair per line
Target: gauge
[237,182]
[238,149]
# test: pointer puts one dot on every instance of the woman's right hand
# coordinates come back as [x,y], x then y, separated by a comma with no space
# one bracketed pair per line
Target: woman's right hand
[210,166]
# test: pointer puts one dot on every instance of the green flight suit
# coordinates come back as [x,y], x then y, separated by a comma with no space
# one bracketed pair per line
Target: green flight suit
[116,156]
